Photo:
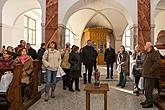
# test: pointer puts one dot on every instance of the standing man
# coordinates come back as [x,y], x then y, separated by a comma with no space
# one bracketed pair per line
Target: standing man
[32,52]
[109,58]
[39,58]
[150,69]
[88,59]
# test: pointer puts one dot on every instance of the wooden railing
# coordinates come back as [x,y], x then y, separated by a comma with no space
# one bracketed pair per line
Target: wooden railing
[161,78]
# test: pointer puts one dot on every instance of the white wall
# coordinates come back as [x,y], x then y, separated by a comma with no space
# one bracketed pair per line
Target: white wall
[7,34]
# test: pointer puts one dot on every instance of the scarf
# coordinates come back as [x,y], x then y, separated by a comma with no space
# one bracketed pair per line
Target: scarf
[23,59]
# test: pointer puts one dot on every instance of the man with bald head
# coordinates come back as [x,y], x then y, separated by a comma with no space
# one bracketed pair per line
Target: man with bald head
[150,68]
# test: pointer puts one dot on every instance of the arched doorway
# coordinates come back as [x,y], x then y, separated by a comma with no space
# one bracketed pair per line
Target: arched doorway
[96,14]
[160,25]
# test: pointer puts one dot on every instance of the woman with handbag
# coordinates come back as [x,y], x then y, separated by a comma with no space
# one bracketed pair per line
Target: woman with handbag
[51,59]
[75,73]
[138,58]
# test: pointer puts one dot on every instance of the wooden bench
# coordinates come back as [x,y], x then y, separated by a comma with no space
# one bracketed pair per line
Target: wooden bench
[161,78]
[13,94]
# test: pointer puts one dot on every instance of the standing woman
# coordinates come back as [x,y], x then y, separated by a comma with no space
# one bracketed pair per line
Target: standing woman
[123,62]
[138,58]
[75,61]
[51,59]
[66,66]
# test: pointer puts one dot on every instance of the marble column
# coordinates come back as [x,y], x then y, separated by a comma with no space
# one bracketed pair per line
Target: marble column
[61,32]
[153,33]
[118,42]
[0,36]
[43,31]
[144,22]
[51,26]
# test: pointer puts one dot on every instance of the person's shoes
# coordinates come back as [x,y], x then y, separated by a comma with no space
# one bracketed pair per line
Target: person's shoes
[78,90]
[71,90]
[139,89]
[107,77]
[85,82]
[147,105]
[89,82]
[118,85]
[143,103]
[46,97]
[111,77]
[122,86]
[64,88]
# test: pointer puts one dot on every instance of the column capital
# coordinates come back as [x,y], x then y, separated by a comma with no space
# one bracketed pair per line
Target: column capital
[43,24]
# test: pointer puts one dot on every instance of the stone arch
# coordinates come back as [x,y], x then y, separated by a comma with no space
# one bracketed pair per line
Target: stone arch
[25,6]
[75,7]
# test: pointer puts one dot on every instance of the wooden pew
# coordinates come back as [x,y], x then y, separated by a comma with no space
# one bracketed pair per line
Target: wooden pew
[35,95]
[13,94]
[161,78]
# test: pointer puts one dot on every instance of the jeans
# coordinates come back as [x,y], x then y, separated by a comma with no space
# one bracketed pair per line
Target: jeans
[122,80]
[50,79]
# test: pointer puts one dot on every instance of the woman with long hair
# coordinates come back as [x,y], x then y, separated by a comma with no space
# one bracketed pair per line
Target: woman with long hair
[123,62]
[51,59]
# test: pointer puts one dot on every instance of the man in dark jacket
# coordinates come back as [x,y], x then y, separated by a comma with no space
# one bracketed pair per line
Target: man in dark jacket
[32,52]
[150,70]
[109,58]
[39,58]
[88,59]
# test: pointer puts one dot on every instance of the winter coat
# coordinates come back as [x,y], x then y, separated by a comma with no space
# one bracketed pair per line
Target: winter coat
[65,60]
[40,54]
[27,70]
[32,52]
[123,58]
[51,59]
[6,63]
[88,55]
[75,61]
[151,64]
[109,55]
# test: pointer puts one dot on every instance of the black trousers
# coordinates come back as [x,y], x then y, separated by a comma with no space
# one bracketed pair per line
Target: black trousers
[108,65]
[95,65]
[137,79]
[89,69]
[149,84]
[76,80]
[66,78]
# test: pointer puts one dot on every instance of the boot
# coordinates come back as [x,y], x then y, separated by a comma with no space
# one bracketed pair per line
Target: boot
[46,94]
[52,92]
[85,78]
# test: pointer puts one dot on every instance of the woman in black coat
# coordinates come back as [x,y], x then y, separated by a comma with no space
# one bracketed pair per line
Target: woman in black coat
[75,61]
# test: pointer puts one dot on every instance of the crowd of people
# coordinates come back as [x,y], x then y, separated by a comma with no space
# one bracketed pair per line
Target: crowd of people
[145,64]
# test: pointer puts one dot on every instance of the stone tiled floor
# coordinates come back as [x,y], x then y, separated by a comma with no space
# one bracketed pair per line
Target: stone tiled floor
[118,99]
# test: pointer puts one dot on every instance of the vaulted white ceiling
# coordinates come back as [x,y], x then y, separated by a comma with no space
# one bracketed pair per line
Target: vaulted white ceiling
[107,18]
